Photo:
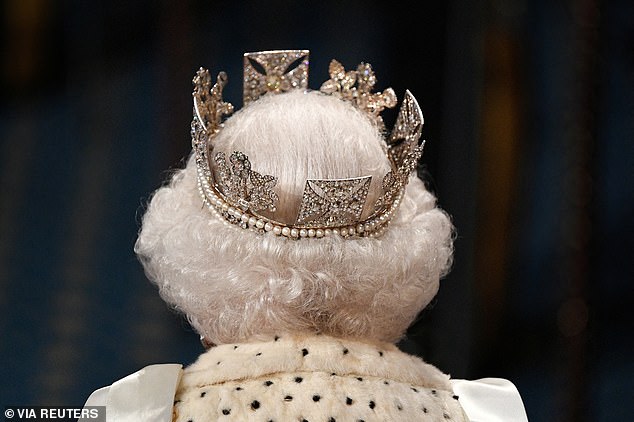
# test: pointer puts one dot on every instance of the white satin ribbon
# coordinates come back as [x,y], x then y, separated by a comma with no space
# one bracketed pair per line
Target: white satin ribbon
[145,396]
[490,400]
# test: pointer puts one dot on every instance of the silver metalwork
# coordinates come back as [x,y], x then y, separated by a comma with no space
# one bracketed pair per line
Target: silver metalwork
[356,87]
[333,203]
[237,193]
[209,106]
[248,189]
[407,130]
[273,71]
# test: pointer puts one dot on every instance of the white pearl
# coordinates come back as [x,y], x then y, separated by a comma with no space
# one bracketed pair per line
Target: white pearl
[351,231]
[294,233]
[244,218]
[277,230]
[360,228]
[311,232]
[327,232]
[252,221]
[286,231]
[319,233]
[268,227]
[259,224]
[335,232]
[303,233]
[344,232]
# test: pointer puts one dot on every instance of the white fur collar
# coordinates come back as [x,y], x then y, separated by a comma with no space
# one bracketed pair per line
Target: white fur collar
[288,354]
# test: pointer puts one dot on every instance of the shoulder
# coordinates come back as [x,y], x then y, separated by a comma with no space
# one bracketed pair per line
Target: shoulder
[297,378]
[146,395]
[490,399]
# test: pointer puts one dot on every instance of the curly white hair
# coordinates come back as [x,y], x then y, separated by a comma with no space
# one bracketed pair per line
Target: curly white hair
[235,284]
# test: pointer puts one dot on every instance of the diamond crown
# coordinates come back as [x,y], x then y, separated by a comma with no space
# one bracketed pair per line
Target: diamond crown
[234,191]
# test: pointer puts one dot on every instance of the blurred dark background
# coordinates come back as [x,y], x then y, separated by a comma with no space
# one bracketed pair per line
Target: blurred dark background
[529,109]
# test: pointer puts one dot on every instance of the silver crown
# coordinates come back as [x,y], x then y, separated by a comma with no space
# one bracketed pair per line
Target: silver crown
[238,194]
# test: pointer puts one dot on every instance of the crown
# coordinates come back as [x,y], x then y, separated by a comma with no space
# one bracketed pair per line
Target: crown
[233,189]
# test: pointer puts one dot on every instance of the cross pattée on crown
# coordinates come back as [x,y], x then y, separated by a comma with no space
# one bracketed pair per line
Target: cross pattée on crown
[274,71]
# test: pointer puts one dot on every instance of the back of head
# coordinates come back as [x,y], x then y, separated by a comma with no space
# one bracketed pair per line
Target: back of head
[235,284]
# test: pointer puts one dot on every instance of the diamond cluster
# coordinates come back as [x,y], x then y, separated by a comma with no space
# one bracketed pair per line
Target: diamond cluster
[333,203]
[356,87]
[274,71]
[248,188]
